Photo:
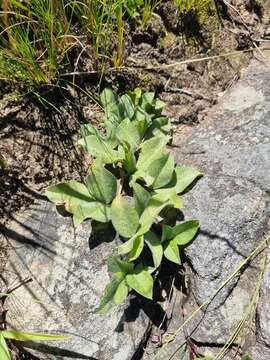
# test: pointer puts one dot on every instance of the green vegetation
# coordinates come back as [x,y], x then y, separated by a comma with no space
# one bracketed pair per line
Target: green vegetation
[133,182]
[37,35]
[42,39]
[33,40]
[22,336]
[201,7]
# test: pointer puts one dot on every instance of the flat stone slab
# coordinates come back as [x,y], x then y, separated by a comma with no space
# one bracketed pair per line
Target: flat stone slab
[232,148]
[68,273]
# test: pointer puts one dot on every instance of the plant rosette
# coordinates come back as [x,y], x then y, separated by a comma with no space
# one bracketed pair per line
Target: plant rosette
[132,181]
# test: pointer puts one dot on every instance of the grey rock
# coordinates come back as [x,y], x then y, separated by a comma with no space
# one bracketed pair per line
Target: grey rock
[263,309]
[232,148]
[233,214]
[68,278]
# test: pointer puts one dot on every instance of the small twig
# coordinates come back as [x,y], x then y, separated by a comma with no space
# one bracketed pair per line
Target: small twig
[23,282]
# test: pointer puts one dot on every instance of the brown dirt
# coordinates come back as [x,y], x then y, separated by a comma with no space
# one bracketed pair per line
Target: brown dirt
[37,139]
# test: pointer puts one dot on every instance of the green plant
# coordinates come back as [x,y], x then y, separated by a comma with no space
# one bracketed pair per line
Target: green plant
[141,8]
[36,36]
[201,8]
[133,182]
[33,40]
[22,336]
[98,20]
[132,7]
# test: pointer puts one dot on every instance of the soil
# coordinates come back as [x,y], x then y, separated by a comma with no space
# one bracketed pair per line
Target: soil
[37,133]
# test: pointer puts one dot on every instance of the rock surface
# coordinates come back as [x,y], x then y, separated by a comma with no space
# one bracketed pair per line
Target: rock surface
[69,274]
[232,148]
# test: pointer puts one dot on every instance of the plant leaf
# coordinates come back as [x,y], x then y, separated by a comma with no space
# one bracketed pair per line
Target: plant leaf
[128,105]
[167,233]
[154,170]
[107,299]
[137,248]
[77,201]
[150,213]
[101,183]
[88,129]
[29,336]
[124,217]
[121,293]
[4,351]
[103,150]
[169,195]
[70,194]
[130,161]
[160,127]
[136,94]
[184,233]
[127,246]
[142,282]
[119,267]
[92,210]
[171,252]
[164,171]
[129,132]
[108,98]
[147,101]
[151,150]
[141,197]
[245,357]
[143,117]
[158,202]
[155,247]
[185,177]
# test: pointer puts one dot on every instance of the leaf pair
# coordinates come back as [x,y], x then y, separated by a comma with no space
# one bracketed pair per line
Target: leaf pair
[86,201]
[155,165]
[125,277]
[179,235]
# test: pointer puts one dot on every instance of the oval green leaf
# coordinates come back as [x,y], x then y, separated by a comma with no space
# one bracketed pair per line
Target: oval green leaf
[121,293]
[171,252]
[142,282]
[154,244]
[101,183]
[185,177]
[164,170]
[107,299]
[124,217]
[70,194]
[92,210]
[184,233]
[137,248]
[118,266]
[141,197]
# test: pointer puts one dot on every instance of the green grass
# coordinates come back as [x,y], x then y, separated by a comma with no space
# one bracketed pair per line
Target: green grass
[36,36]
[41,39]
[33,40]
